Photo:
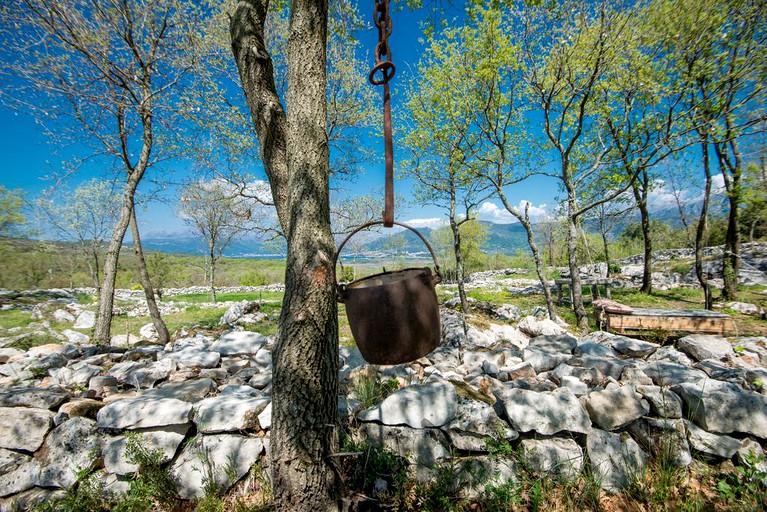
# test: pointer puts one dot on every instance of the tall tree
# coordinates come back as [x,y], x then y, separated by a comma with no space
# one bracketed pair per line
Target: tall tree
[218,214]
[566,57]
[440,140]
[85,215]
[718,47]
[295,156]
[107,75]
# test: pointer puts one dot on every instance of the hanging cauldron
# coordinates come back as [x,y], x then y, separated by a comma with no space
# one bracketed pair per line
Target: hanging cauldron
[393,315]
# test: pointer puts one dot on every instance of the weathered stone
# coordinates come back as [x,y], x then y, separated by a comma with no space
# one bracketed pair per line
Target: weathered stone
[30,499]
[99,382]
[666,439]
[554,344]
[520,371]
[558,457]
[220,460]
[663,403]
[165,439]
[670,354]
[704,346]
[265,417]
[594,349]
[534,327]
[144,412]
[238,343]
[263,360]
[589,376]
[71,447]
[38,398]
[607,366]
[490,368]
[23,428]
[260,380]
[616,459]
[425,446]
[228,413]
[83,407]
[542,361]
[478,474]
[670,374]
[711,444]
[9,354]
[545,413]
[745,308]
[76,337]
[74,376]
[635,377]
[193,357]
[615,407]
[574,384]
[632,347]
[238,389]
[475,424]
[85,320]
[724,410]
[18,473]
[141,374]
[143,352]
[187,391]
[432,404]
[236,312]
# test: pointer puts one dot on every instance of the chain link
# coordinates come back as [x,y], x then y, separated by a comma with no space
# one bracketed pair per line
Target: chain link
[386,67]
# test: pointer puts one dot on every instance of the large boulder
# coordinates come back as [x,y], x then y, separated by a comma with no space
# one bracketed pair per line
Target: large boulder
[166,440]
[24,428]
[18,471]
[706,346]
[144,412]
[726,408]
[432,404]
[239,343]
[615,407]
[534,327]
[230,413]
[475,424]
[544,413]
[38,398]
[616,460]
[425,446]
[218,460]
[558,457]
[71,447]
[711,444]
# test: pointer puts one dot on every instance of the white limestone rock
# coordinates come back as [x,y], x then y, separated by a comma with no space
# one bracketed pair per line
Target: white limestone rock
[432,404]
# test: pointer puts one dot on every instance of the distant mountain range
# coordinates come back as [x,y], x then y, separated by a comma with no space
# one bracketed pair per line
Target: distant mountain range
[502,238]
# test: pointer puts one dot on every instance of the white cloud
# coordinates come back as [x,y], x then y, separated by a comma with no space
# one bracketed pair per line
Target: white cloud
[432,223]
[493,213]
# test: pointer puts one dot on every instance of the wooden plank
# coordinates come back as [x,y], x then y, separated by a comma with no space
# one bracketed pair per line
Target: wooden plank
[698,321]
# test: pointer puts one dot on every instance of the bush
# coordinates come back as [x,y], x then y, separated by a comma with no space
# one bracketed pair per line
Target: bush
[253,278]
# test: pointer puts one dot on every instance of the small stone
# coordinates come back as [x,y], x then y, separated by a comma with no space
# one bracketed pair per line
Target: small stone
[613,408]
[711,444]
[85,320]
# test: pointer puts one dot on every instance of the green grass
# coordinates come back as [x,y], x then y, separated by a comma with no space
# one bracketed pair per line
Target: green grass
[11,318]
[225,297]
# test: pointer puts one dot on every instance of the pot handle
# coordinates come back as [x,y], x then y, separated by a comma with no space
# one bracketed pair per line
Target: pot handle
[374,223]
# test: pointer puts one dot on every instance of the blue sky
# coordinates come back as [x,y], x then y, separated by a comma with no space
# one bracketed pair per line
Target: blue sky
[28,158]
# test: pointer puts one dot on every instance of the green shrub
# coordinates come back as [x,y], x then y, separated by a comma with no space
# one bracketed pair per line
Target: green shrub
[253,278]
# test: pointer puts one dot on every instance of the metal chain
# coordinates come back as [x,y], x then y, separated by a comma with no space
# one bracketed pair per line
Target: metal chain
[387,69]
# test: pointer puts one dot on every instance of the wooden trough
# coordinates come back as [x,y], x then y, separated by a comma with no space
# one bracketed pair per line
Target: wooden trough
[671,320]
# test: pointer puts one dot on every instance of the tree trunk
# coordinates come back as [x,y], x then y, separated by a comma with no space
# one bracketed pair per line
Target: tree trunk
[640,189]
[212,275]
[525,221]
[459,270]
[162,331]
[700,231]
[581,316]
[102,329]
[296,159]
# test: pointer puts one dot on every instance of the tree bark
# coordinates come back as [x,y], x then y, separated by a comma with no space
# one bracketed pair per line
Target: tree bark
[640,189]
[162,331]
[581,316]
[700,231]
[296,158]
[212,275]
[103,326]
